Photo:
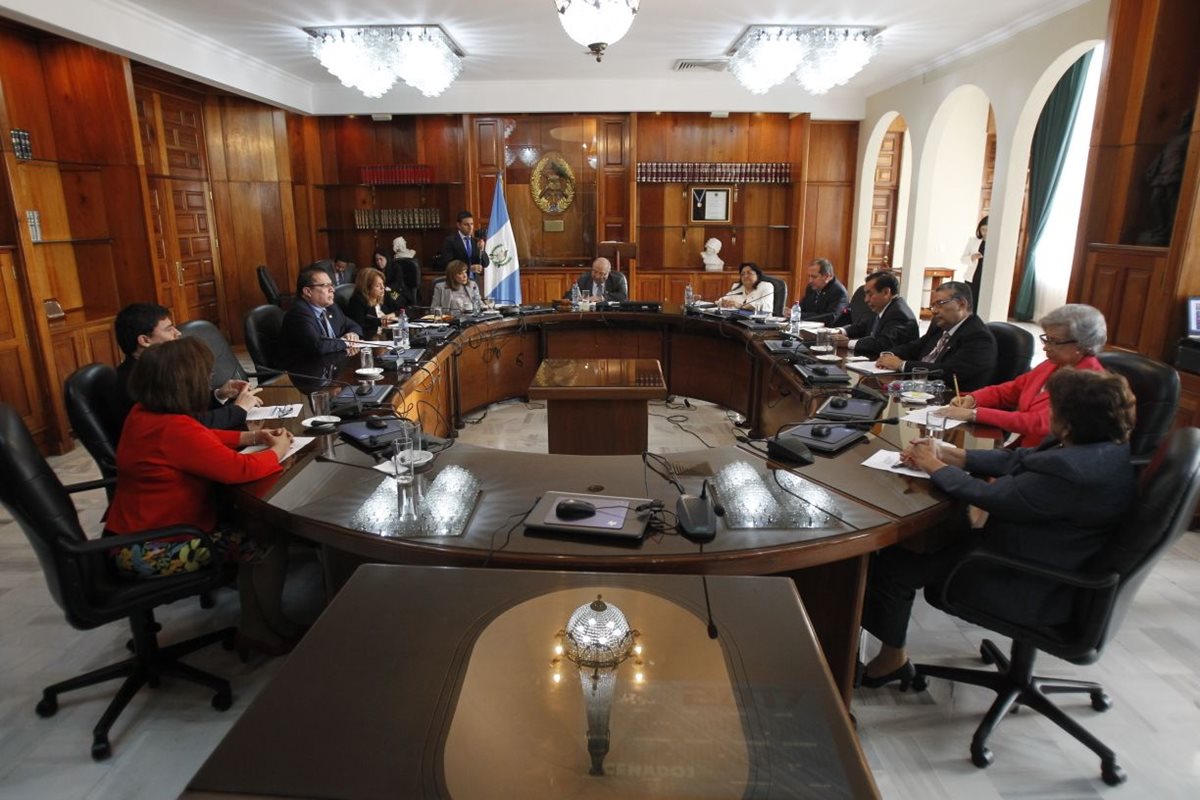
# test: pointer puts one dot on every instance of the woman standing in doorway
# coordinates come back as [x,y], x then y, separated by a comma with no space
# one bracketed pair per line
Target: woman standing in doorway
[977,258]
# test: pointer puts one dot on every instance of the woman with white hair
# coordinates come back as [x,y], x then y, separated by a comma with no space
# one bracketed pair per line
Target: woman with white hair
[1073,335]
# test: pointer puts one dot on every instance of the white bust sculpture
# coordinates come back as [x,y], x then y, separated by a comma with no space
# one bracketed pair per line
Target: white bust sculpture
[400,248]
[712,261]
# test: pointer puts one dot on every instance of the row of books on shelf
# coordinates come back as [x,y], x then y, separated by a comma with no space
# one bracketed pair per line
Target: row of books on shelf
[375,218]
[22,144]
[396,173]
[712,172]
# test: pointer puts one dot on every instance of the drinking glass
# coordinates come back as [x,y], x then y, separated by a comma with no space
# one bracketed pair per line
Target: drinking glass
[436,313]
[822,344]
[319,401]
[402,455]
[935,428]
[366,358]
[920,377]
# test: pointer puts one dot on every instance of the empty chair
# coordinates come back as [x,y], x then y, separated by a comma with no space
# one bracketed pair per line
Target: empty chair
[96,411]
[404,276]
[1155,385]
[1167,492]
[83,584]
[780,298]
[263,325]
[342,295]
[1014,351]
[225,364]
[270,289]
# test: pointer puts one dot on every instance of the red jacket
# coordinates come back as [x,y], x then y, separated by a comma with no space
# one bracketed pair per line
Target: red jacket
[1021,405]
[166,467]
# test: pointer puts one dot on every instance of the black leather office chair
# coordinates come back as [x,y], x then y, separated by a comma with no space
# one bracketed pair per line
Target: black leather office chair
[97,415]
[263,327]
[84,585]
[1167,494]
[270,289]
[225,364]
[404,276]
[342,295]
[1156,387]
[1014,351]
[780,300]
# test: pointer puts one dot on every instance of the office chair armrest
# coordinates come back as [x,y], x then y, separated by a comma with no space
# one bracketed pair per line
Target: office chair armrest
[106,543]
[1073,579]
[87,486]
[1141,461]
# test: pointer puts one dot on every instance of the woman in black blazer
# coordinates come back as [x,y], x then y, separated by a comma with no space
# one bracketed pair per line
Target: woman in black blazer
[371,305]
[1057,504]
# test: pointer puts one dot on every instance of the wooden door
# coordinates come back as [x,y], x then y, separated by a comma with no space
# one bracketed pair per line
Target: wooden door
[18,387]
[883,201]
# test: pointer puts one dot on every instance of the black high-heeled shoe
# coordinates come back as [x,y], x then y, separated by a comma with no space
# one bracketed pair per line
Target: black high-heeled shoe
[906,674]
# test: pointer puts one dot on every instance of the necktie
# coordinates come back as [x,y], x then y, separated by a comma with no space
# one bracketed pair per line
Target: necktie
[875,325]
[467,247]
[939,348]
[328,327]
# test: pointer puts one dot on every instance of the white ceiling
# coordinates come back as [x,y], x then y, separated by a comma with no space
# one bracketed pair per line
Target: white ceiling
[518,58]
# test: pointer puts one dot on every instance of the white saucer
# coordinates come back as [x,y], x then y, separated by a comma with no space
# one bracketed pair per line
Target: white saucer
[416,457]
[320,421]
[828,357]
[371,372]
[916,397]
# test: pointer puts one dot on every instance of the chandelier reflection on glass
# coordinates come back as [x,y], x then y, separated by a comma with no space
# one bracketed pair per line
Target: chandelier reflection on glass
[820,56]
[371,58]
[596,24]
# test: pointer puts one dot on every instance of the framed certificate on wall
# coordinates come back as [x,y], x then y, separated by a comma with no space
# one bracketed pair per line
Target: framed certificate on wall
[712,204]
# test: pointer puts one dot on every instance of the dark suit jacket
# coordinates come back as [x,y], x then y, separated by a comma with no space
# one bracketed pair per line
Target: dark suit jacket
[227,416]
[1057,506]
[616,286]
[453,250]
[825,305]
[363,315]
[897,326]
[301,336]
[348,274]
[970,354]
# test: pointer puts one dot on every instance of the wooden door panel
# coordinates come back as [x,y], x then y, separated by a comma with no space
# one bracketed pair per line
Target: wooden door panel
[193,240]
[18,383]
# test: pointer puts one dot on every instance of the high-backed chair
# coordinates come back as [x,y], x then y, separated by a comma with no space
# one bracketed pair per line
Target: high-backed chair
[1167,493]
[342,295]
[97,415]
[1014,351]
[263,326]
[225,364]
[84,585]
[404,276]
[1156,387]
[780,300]
[270,289]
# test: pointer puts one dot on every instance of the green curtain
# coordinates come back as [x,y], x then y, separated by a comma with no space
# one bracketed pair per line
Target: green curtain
[1047,156]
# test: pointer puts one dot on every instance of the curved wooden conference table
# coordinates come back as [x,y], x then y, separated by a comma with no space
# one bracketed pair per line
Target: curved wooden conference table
[329,494]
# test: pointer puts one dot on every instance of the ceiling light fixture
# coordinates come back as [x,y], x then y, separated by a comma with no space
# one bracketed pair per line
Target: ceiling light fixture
[820,56]
[371,58]
[596,24]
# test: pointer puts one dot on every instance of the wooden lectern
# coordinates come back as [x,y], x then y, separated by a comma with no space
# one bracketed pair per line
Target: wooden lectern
[617,252]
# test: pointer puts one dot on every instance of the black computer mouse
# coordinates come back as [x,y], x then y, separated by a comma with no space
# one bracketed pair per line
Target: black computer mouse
[838,402]
[821,431]
[377,423]
[820,370]
[570,508]
[788,343]
[363,388]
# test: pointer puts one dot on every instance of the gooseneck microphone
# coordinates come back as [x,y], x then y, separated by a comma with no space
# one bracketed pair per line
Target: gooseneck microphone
[712,626]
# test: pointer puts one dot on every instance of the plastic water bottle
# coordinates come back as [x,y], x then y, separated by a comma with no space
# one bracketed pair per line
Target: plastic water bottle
[794,320]
[400,331]
[476,305]
[576,296]
[688,295]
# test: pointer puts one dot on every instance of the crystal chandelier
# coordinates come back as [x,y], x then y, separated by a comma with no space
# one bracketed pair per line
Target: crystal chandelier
[371,58]
[596,24]
[820,56]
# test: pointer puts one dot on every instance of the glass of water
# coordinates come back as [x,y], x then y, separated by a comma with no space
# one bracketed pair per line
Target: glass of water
[366,358]
[935,429]
[403,455]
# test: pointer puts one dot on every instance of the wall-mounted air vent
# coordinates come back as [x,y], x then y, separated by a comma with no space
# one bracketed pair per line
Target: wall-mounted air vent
[711,64]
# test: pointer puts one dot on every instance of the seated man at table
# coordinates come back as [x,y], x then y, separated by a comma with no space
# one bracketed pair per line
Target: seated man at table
[141,326]
[958,344]
[825,298]
[892,322]
[614,284]
[342,271]
[314,325]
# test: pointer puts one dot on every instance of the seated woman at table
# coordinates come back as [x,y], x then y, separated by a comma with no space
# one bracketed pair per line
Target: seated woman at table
[169,467]
[459,294]
[1055,505]
[751,293]
[1073,335]
[372,305]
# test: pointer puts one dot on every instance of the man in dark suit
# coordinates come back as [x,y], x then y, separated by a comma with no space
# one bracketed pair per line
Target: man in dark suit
[342,271]
[958,343]
[464,245]
[616,287]
[143,325]
[825,298]
[314,325]
[891,323]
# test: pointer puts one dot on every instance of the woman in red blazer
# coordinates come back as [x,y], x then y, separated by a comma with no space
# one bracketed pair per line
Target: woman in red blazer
[169,467]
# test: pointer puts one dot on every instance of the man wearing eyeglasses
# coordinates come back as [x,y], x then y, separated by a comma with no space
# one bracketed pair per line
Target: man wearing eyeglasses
[314,325]
[958,344]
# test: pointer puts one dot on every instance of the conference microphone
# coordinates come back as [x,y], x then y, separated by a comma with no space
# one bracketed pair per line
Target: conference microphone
[343,410]
[696,515]
[857,424]
[712,626]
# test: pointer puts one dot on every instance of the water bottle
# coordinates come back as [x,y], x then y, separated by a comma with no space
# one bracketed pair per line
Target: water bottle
[576,296]
[400,331]
[688,295]
[794,320]
[476,305]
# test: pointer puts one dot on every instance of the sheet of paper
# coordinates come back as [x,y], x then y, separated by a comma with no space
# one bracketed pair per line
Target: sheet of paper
[919,417]
[808,325]
[273,412]
[298,444]
[868,367]
[889,461]
[854,359]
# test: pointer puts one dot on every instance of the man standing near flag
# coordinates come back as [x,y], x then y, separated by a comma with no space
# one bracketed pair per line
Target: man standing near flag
[463,245]
[501,283]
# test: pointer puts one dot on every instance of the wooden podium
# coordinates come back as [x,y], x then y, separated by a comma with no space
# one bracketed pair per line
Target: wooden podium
[597,406]
[619,254]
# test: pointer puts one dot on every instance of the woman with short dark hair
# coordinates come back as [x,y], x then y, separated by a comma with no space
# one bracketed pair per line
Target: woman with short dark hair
[1056,505]
[751,292]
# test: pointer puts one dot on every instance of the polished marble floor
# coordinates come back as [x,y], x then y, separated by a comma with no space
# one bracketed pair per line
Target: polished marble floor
[916,744]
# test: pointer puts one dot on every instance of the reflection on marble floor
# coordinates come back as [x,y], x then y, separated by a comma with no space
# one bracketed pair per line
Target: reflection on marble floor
[916,744]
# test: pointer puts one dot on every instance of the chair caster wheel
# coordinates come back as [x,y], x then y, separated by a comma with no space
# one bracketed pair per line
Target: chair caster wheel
[1101,701]
[1112,774]
[222,701]
[920,683]
[982,757]
[101,749]
[47,706]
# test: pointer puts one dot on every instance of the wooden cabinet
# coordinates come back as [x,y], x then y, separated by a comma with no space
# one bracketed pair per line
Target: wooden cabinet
[18,388]
[78,342]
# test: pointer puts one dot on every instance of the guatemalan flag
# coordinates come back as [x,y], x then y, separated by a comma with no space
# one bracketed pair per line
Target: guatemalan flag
[502,281]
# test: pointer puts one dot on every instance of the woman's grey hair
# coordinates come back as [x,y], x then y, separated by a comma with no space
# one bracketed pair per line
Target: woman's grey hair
[1084,324]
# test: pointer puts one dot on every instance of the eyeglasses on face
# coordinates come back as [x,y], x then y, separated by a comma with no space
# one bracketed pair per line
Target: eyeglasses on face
[1055,342]
[320,286]
[943,301]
